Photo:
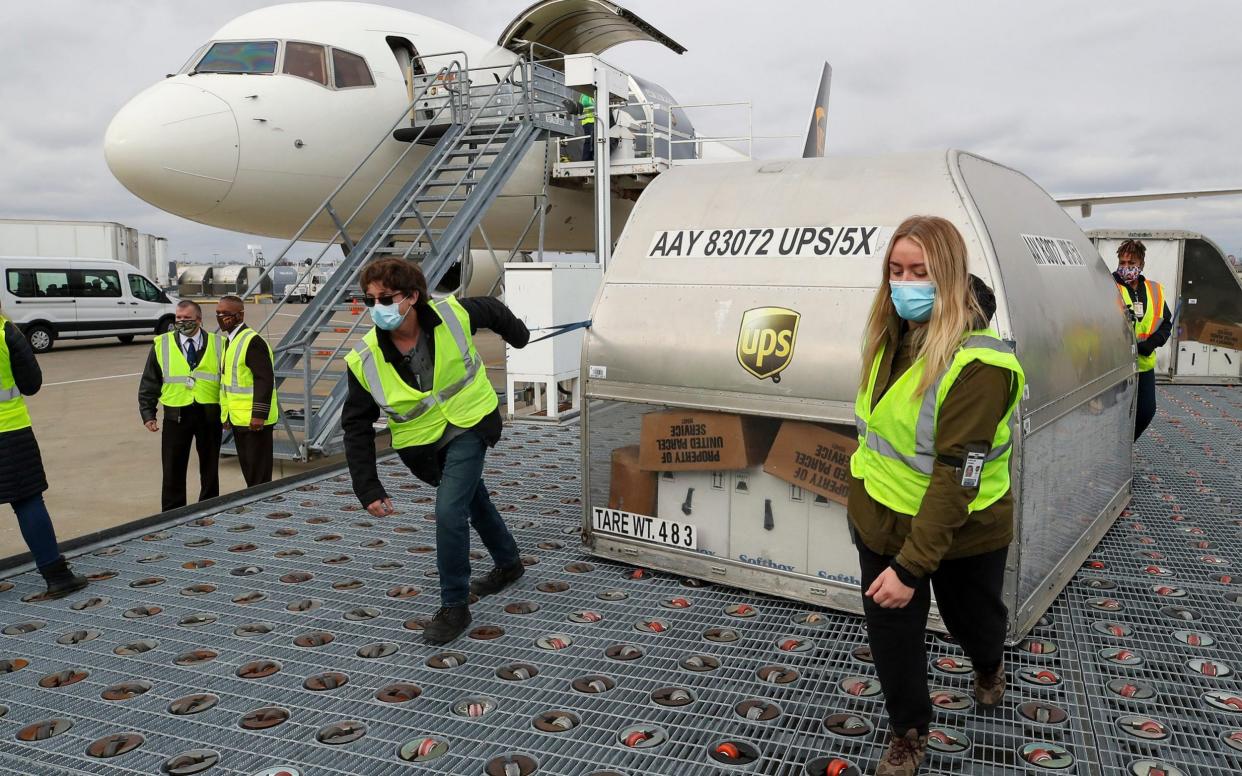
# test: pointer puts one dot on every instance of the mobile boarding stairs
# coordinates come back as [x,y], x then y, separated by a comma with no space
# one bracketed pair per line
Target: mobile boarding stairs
[474,134]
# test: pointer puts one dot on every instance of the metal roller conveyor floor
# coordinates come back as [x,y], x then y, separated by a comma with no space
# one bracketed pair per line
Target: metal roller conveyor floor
[280,636]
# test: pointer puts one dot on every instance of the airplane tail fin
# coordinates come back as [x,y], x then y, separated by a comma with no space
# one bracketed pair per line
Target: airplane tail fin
[816,136]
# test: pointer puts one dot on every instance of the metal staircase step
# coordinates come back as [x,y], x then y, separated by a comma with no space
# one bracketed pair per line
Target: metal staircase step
[454,198]
[298,374]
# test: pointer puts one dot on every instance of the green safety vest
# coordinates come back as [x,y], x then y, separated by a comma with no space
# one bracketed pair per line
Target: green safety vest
[1146,326]
[460,392]
[13,412]
[897,438]
[181,385]
[588,109]
[237,382]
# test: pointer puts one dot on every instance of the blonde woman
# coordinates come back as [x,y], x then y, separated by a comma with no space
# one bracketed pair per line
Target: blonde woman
[930,503]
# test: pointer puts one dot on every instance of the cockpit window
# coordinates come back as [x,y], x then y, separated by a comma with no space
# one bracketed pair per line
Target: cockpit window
[307,60]
[350,70]
[239,57]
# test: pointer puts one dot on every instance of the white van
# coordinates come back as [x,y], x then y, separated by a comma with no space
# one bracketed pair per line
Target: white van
[51,299]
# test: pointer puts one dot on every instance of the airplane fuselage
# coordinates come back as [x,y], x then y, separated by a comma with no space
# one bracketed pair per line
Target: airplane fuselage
[259,152]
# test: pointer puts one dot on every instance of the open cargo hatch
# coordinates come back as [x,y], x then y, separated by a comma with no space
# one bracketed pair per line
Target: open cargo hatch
[580,27]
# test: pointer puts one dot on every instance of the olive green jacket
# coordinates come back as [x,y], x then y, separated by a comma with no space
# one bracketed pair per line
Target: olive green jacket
[943,529]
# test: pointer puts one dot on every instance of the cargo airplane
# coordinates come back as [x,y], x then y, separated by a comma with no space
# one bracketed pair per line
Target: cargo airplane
[279,105]
[269,115]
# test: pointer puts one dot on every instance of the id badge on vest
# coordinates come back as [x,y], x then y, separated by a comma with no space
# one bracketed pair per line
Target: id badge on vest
[1139,309]
[972,465]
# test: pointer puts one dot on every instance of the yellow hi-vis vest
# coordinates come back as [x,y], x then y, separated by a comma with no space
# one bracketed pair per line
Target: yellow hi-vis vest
[588,109]
[182,386]
[897,438]
[1146,326]
[13,412]
[460,393]
[237,382]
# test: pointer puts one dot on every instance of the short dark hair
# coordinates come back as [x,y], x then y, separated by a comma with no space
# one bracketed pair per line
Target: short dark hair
[397,274]
[191,303]
[1133,248]
[233,298]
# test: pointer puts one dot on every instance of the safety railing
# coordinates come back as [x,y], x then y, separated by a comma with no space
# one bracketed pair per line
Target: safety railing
[524,93]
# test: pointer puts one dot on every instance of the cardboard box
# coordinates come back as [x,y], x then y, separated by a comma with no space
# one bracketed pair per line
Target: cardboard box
[813,458]
[689,440]
[632,489]
[1222,335]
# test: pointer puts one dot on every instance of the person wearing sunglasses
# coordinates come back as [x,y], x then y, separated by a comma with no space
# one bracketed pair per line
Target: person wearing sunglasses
[420,367]
[248,403]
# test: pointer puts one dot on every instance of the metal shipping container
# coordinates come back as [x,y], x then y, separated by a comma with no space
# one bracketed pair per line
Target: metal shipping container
[803,241]
[1204,294]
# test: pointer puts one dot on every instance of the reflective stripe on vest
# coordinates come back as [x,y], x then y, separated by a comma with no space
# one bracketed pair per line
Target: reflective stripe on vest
[232,392]
[201,385]
[14,414]
[923,456]
[1146,326]
[588,109]
[463,402]
[228,378]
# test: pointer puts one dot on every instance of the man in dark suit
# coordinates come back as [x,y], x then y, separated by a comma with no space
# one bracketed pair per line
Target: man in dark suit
[183,374]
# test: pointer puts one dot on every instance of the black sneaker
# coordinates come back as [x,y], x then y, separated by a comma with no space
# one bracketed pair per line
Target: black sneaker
[449,623]
[496,580]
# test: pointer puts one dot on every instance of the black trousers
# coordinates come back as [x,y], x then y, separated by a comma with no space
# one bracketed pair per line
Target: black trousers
[588,145]
[254,454]
[968,594]
[1146,397]
[197,425]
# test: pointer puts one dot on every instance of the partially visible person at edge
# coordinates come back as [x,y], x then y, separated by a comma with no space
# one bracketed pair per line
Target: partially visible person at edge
[419,365]
[1152,324]
[586,119]
[22,480]
[248,403]
[183,375]
[930,504]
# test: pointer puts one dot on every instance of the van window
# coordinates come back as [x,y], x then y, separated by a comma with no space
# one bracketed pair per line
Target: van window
[306,60]
[96,282]
[143,289]
[30,283]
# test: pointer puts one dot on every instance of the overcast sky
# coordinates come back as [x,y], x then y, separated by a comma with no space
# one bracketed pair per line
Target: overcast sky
[1108,96]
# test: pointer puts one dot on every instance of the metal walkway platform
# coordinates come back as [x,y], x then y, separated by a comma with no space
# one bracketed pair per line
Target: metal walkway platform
[280,636]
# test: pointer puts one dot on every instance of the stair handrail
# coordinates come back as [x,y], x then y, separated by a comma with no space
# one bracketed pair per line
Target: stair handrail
[472,116]
[445,74]
[340,347]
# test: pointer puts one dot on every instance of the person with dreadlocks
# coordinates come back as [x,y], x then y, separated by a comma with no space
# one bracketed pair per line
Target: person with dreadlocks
[1153,324]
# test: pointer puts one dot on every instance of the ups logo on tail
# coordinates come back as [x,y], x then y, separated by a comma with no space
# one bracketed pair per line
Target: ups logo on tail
[765,343]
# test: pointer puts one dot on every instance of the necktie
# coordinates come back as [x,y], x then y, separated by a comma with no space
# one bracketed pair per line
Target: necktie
[191,353]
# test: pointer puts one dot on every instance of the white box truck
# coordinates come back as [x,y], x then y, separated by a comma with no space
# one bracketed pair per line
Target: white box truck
[86,240]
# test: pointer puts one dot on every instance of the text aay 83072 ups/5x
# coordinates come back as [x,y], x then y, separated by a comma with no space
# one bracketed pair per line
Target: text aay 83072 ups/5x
[782,242]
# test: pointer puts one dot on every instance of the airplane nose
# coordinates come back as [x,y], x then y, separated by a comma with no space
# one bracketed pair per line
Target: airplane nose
[175,146]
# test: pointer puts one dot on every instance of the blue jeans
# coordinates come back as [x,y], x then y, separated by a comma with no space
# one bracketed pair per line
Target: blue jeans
[462,501]
[36,526]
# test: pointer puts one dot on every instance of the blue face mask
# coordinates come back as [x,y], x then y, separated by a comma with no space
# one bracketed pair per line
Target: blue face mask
[388,316]
[913,299]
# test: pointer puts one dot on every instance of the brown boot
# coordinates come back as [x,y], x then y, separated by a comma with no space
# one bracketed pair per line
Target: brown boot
[904,755]
[990,688]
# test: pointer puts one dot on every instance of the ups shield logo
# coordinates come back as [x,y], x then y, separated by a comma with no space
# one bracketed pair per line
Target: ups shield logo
[765,343]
